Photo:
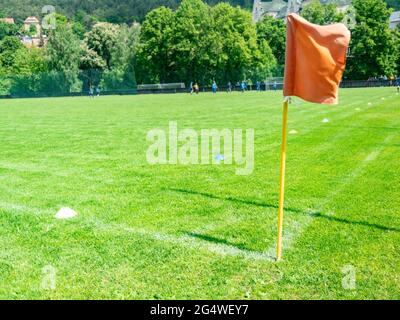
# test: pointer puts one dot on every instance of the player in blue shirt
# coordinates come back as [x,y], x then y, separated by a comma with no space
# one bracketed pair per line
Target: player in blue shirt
[214,87]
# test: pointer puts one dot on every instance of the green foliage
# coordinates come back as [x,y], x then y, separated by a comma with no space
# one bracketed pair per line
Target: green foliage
[30,61]
[201,43]
[92,11]
[155,57]
[274,32]
[241,55]
[115,11]
[199,232]
[110,50]
[103,39]
[373,47]
[322,14]
[396,35]
[9,47]
[195,41]
[63,54]
[8,29]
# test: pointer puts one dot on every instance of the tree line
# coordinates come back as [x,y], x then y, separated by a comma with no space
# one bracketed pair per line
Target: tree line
[194,43]
[114,11]
[202,43]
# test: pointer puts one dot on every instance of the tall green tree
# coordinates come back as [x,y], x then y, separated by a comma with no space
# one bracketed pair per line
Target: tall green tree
[322,14]
[9,47]
[104,40]
[8,29]
[373,47]
[274,32]
[122,75]
[30,61]
[396,35]
[241,55]
[63,56]
[196,42]
[155,52]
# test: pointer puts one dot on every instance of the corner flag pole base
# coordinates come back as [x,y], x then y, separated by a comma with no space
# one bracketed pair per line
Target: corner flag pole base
[282,179]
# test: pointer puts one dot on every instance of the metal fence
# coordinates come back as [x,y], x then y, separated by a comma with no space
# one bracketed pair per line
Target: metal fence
[367,83]
[65,84]
[55,85]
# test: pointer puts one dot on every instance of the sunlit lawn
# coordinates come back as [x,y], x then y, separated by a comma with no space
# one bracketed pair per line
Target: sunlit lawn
[199,231]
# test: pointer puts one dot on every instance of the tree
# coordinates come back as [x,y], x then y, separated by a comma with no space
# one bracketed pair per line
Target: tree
[240,55]
[8,29]
[63,56]
[30,61]
[274,32]
[9,47]
[322,14]
[103,39]
[396,35]
[30,68]
[91,66]
[373,47]
[126,11]
[125,75]
[195,41]
[155,53]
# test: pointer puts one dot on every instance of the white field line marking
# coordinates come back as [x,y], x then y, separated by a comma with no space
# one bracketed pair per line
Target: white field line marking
[291,236]
[13,207]
[314,127]
[320,148]
[221,249]
[233,220]
[30,167]
[185,240]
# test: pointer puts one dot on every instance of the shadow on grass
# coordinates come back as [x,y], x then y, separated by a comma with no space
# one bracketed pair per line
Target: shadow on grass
[318,215]
[235,200]
[366,127]
[359,223]
[225,242]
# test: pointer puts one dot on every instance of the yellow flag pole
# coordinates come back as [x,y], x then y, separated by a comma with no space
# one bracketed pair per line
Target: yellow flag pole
[282,179]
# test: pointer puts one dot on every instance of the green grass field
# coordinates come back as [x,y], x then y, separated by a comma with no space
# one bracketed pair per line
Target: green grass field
[199,232]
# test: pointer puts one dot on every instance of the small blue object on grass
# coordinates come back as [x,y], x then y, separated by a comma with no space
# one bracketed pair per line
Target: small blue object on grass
[219,157]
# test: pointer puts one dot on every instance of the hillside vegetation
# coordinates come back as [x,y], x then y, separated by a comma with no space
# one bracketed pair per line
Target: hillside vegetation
[110,10]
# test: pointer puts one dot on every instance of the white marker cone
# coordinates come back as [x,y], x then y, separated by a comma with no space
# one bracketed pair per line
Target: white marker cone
[65,213]
[325,120]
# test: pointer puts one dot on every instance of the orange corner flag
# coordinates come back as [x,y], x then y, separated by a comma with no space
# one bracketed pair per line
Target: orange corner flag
[315,59]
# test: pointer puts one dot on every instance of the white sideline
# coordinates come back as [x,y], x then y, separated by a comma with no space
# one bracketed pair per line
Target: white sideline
[185,240]
[291,236]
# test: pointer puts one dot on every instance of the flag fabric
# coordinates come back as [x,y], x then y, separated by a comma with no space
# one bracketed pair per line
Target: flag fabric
[315,59]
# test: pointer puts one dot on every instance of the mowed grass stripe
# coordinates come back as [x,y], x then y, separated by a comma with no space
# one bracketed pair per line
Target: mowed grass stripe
[97,257]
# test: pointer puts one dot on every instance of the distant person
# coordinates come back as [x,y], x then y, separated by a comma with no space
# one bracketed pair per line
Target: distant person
[242,86]
[196,88]
[275,86]
[258,86]
[229,87]
[191,89]
[91,92]
[214,87]
[398,84]
[98,91]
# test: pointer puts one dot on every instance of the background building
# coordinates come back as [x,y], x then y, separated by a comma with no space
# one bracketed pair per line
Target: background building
[280,8]
[394,19]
